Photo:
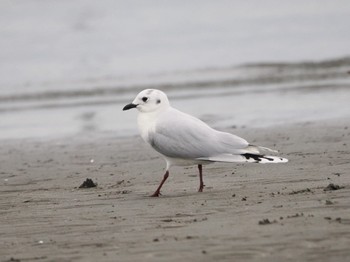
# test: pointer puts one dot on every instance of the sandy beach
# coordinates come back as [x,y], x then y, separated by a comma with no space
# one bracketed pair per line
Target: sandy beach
[248,212]
[276,74]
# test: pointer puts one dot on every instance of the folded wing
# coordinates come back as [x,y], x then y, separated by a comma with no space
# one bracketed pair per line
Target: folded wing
[179,135]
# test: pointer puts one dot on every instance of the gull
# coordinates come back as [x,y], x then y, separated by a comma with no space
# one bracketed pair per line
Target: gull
[184,140]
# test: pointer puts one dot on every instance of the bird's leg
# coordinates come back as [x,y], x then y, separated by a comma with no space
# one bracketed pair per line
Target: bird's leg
[157,192]
[201,184]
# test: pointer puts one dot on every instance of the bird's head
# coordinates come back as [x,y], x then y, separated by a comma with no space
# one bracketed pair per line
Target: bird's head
[149,100]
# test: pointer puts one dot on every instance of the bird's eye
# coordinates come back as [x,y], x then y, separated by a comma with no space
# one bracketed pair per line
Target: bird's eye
[144,99]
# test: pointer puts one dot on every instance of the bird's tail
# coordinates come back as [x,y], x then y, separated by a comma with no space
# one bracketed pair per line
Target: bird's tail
[247,157]
[263,159]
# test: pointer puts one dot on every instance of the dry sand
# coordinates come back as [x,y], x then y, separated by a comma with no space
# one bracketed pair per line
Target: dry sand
[46,217]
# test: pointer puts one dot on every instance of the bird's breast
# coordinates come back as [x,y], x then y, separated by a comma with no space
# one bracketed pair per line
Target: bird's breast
[146,125]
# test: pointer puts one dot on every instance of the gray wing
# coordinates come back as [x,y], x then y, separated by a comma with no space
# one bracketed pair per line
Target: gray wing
[179,135]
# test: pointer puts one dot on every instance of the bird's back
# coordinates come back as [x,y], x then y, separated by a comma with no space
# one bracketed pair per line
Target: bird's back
[179,135]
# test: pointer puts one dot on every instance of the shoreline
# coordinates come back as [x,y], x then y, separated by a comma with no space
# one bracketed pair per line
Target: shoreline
[281,93]
[247,212]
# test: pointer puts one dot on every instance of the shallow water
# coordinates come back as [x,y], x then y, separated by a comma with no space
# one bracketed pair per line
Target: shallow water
[69,67]
[253,96]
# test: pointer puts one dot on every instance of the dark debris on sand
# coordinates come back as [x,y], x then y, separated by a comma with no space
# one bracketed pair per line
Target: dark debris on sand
[332,187]
[266,221]
[12,259]
[296,215]
[88,183]
[307,190]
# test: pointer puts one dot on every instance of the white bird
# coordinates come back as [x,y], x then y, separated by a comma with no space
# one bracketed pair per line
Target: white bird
[184,140]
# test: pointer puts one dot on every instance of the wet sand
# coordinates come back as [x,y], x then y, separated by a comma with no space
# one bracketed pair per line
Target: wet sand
[248,212]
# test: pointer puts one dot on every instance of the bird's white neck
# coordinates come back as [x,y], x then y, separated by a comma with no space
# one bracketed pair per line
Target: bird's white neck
[146,122]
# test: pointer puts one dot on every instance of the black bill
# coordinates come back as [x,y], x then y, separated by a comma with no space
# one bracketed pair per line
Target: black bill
[129,106]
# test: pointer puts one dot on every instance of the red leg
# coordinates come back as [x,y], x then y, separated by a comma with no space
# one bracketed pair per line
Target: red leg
[157,192]
[201,184]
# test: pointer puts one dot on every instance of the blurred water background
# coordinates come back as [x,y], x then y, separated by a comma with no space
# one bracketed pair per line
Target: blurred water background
[68,67]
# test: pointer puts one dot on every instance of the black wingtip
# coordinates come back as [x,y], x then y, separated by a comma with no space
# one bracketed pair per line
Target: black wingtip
[257,158]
